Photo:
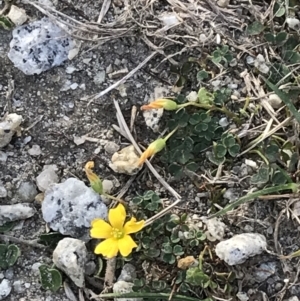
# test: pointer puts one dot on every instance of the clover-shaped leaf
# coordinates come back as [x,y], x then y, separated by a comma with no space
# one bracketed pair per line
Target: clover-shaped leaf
[234,150]
[272,152]
[8,255]
[255,28]
[158,285]
[50,278]
[262,176]
[178,250]
[167,248]
[215,160]
[220,151]
[195,119]
[201,75]
[205,97]
[228,141]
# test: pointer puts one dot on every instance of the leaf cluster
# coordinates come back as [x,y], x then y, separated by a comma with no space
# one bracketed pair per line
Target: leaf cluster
[226,145]
[222,55]
[9,255]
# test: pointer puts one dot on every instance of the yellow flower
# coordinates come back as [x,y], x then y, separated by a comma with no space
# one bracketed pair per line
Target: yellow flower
[95,181]
[153,148]
[161,103]
[116,234]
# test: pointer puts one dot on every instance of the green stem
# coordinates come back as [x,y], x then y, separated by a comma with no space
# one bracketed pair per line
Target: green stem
[170,134]
[255,151]
[224,110]
[251,196]
[155,296]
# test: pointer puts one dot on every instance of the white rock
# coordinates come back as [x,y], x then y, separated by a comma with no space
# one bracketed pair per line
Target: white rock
[260,64]
[70,256]
[111,147]
[108,186]
[10,213]
[239,248]
[152,118]
[8,127]
[79,140]
[293,23]
[47,177]
[242,296]
[169,19]
[3,156]
[122,287]
[216,228]
[5,289]
[293,298]
[223,3]
[35,150]
[192,96]
[3,191]
[27,191]
[39,46]
[17,15]
[128,273]
[264,271]
[99,78]
[275,101]
[70,207]
[125,161]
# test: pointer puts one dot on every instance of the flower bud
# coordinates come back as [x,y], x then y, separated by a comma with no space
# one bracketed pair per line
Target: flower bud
[95,181]
[162,103]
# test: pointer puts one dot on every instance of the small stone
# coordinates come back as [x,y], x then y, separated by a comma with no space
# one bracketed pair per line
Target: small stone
[239,248]
[242,296]
[152,118]
[69,208]
[192,96]
[216,228]
[122,287]
[5,289]
[109,69]
[18,287]
[70,256]
[99,78]
[128,273]
[223,122]
[90,268]
[293,23]
[275,101]
[223,3]
[122,90]
[17,15]
[108,186]
[70,69]
[3,156]
[293,298]
[74,86]
[47,177]
[260,64]
[10,213]
[27,191]
[79,140]
[111,147]
[3,191]
[125,161]
[231,194]
[250,60]
[73,52]
[35,150]
[8,128]
[264,271]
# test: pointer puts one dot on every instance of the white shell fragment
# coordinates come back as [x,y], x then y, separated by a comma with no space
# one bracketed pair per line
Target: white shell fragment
[239,248]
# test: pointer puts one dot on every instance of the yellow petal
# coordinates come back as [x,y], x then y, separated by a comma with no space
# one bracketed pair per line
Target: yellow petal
[133,226]
[145,155]
[125,245]
[100,229]
[108,248]
[117,217]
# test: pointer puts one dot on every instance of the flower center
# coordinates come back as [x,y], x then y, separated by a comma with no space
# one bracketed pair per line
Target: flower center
[117,233]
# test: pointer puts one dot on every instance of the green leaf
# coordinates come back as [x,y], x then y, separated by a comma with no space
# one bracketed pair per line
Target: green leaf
[174,238]
[205,97]
[51,238]
[278,10]
[262,176]
[169,258]
[137,200]
[200,236]
[281,38]
[50,278]
[255,28]
[196,276]
[192,166]
[228,140]
[158,285]
[148,195]
[178,250]
[269,37]
[167,248]
[176,170]
[152,252]
[284,97]
[234,150]
[213,159]
[5,22]
[220,151]
[279,178]
[155,198]
[272,152]
[7,227]
[195,119]
[201,75]
[9,255]
[194,243]
[186,68]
